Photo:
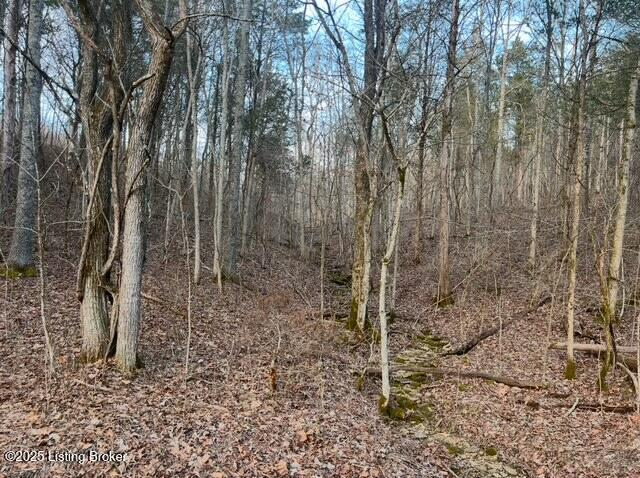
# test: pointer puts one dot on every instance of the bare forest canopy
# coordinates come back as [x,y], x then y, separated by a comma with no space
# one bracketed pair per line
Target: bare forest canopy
[269,218]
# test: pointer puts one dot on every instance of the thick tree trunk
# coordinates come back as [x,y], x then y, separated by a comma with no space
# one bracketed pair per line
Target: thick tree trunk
[21,254]
[100,101]
[9,123]
[360,269]
[130,295]
[365,172]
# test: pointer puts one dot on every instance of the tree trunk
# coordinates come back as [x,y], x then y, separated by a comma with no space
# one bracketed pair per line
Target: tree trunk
[21,253]
[540,139]
[193,99]
[233,212]
[360,269]
[443,296]
[130,298]
[498,193]
[9,125]
[222,158]
[382,304]
[576,160]
[609,309]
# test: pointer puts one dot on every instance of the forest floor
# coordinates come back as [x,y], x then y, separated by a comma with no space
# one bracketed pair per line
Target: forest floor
[224,417]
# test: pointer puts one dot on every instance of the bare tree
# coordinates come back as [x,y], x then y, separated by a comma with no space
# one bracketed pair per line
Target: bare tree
[443,296]
[130,295]
[222,157]
[540,137]
[364,100]
[234,218]
[9,124]
[21,254]
[611,285]
[576,159]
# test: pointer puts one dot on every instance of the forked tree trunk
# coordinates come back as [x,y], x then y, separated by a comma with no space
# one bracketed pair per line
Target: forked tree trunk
[22,252]
[130,295]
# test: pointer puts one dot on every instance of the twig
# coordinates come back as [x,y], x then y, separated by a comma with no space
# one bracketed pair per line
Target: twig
[574,406]
[460,373]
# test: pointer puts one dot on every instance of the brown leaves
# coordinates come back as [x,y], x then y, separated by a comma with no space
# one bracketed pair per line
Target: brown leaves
[301,437]
[281,468]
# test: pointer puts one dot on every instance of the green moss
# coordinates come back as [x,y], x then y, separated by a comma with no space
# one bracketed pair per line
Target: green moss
[407,409]
[570,370]
[396,413]
[9,272]
[444,301]
[454,449]
[433,342]
[383,405]
[360,381]
[418,377]
[405,402]
[463,387]
[491,451]
[352,321]
[602,378]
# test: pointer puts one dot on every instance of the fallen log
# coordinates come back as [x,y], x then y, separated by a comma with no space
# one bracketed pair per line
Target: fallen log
[458,373]
[591,407]
[625,354]
[471,344]
[621,349]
